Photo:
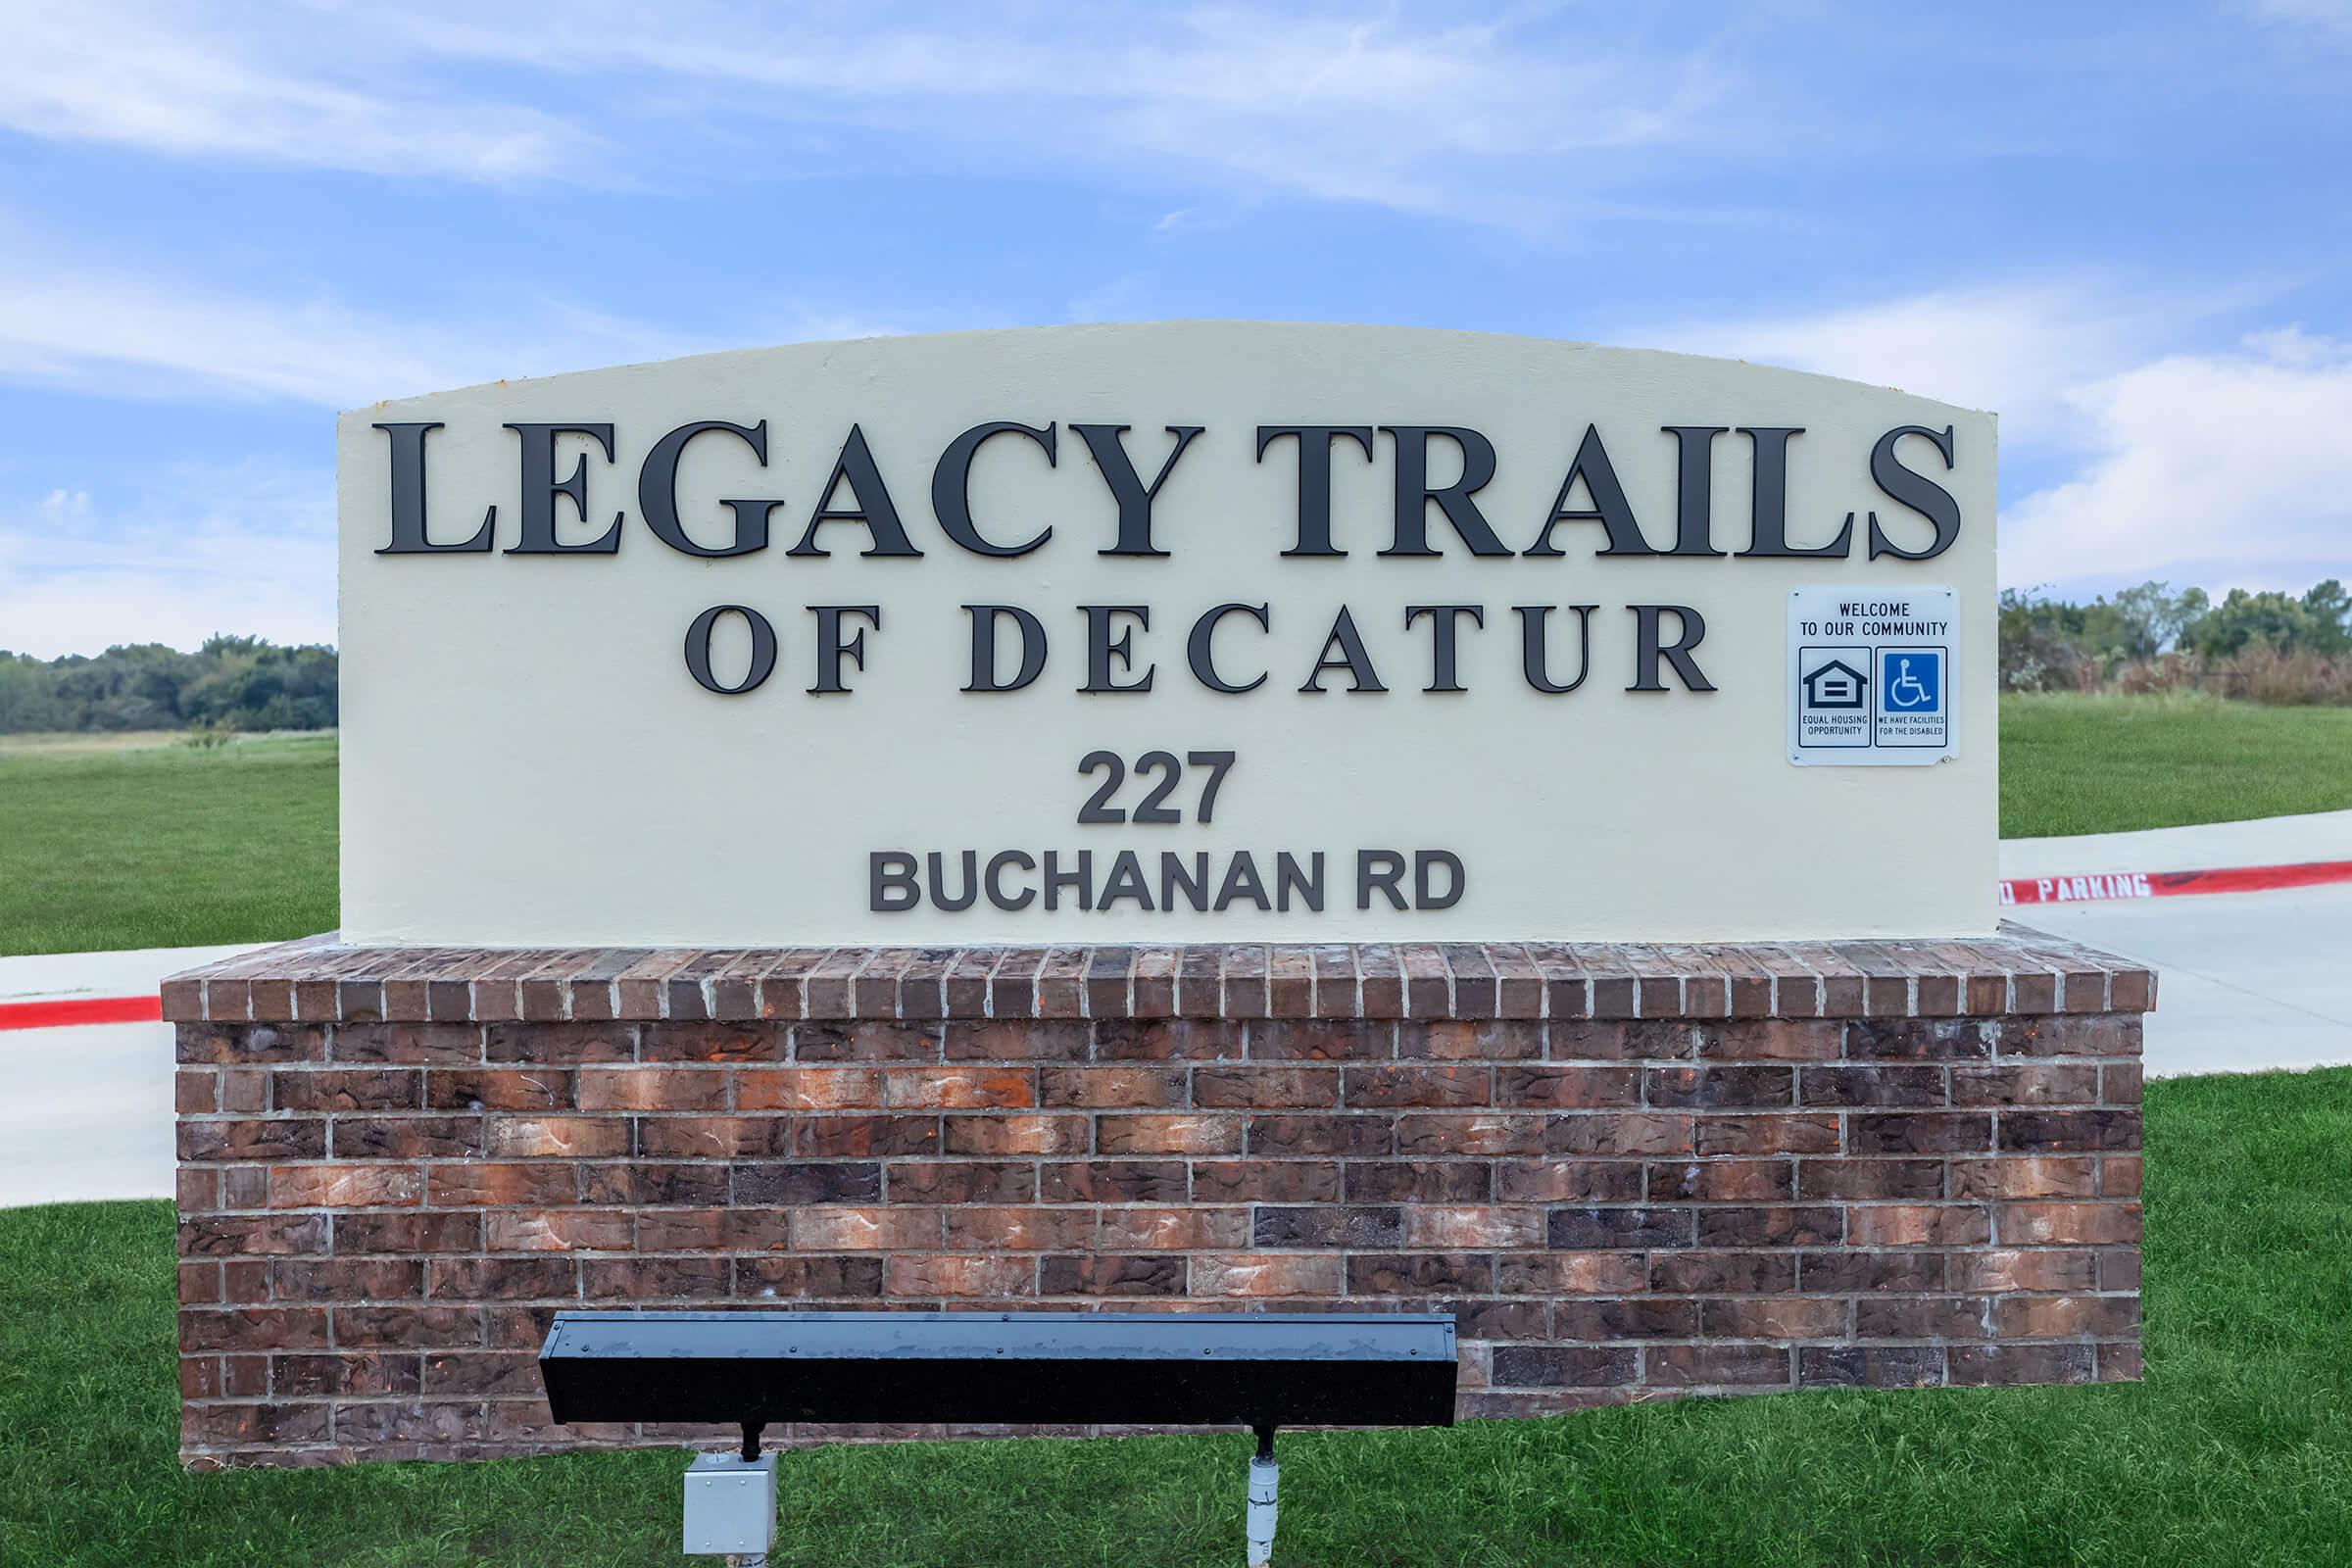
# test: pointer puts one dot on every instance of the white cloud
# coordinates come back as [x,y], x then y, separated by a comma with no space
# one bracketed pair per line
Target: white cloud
[2225,470]
[159,79]
[64,512]
[1471,119]
[140,337]
[2330,18]
[128,335]
[2217,469]
[1465,118]
[245,548]
[2017,351]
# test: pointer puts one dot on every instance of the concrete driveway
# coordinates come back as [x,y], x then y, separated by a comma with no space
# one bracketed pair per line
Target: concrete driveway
[2247,980]
[87,1108]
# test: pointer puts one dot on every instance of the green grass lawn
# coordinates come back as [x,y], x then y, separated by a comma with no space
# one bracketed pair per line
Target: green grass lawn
[2237,1449]
[165,846]
[2107,764]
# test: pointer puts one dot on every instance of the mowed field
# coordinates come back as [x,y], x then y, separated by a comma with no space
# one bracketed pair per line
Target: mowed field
[135,842]
[2110,765]
[106,843]
[2237,1450]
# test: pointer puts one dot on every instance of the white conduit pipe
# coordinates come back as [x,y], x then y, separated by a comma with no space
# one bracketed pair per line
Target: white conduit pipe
[1264,1475]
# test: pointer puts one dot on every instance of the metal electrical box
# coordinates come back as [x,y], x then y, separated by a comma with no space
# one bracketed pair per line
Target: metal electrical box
[730,1503]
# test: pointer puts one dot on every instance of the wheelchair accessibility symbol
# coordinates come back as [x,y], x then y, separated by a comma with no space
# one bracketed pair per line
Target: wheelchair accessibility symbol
[1911,688]
[1906,691]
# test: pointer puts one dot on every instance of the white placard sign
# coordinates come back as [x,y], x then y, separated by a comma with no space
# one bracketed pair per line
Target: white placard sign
[1198,631]
[1870,677]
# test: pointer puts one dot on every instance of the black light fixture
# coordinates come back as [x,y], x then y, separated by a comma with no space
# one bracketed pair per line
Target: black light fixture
[751,1370]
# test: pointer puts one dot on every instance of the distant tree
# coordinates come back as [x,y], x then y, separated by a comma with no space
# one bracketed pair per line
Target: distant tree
[2330,608]
[2279,621]
[2155,619]
[230,683]
[26,701]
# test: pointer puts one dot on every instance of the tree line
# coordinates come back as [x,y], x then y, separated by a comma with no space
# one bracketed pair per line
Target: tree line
[230,683]
[2271,647]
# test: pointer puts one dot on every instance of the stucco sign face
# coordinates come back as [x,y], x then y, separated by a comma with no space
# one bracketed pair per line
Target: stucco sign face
[1184,632]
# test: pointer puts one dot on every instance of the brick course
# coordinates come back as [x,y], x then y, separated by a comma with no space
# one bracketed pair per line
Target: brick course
[1629,1172]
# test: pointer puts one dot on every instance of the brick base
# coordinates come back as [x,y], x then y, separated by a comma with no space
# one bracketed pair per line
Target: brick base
[1629,1173]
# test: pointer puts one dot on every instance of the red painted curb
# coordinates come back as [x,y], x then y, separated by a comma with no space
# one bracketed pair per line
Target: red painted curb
[80,1010]
[2172,884]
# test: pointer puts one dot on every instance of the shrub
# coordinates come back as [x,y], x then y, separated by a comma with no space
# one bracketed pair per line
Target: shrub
[2263,675]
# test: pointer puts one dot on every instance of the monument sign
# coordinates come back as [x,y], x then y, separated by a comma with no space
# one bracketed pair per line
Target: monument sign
[1200,817]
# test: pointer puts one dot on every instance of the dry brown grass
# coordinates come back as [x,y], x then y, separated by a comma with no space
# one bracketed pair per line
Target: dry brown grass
[67,743]
[2256,674]
[109,743]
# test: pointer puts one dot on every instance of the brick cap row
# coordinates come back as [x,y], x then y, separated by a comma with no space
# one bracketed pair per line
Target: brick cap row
[322,980]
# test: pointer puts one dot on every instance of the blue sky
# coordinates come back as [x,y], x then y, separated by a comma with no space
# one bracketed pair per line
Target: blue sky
[2126,228]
